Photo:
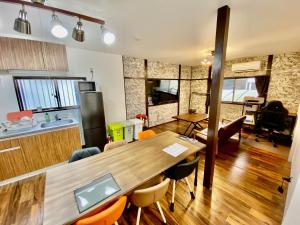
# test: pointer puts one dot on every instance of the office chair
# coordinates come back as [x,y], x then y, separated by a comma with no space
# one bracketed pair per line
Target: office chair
[272,118]
[84,153]
[181,171]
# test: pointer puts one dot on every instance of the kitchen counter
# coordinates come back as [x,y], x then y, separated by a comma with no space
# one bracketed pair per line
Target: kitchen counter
[36,129]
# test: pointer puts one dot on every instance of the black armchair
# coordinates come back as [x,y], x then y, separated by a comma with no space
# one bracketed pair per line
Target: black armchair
[181,171]
[272,118]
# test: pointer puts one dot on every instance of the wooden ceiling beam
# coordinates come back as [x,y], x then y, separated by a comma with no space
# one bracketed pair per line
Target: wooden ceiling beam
[58,10]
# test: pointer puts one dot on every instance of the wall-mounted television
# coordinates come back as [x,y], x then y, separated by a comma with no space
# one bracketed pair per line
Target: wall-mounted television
[162,91]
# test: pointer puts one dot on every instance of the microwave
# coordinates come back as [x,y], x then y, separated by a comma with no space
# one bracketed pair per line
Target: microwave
[84,86]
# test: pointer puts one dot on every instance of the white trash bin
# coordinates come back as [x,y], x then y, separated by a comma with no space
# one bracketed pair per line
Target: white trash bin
[128,130]
[138,127]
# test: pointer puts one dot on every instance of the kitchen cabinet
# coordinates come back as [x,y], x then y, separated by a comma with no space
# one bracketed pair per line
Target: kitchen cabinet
[28,153]
[55,57]
[21,54]
[12,162]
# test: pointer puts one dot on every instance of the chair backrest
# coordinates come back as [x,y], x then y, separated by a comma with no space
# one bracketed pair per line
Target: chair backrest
[182,170]
[273,116]
[114,144]
[230,129]
[150,195]
[84,153]
[146,134]
[108,216]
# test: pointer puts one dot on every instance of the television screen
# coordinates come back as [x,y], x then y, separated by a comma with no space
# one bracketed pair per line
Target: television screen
[162,91]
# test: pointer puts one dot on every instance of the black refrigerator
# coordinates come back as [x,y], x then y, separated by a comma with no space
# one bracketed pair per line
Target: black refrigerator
[92,117]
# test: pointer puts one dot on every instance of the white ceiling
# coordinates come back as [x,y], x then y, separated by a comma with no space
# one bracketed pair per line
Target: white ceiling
[179,31]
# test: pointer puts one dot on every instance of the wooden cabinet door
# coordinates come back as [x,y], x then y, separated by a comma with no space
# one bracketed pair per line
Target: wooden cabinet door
[12,162]
[55,57]
[19,54]
[63,148]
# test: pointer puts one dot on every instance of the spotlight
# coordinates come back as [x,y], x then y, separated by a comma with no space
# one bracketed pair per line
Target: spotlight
[57,29]
[38,1]
[78,33]
[107,36]
[22,24]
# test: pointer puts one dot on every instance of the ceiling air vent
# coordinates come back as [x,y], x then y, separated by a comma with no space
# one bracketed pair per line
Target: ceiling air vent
[246,67]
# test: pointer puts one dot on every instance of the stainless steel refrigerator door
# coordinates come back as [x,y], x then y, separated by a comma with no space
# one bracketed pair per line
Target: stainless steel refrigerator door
[92,110]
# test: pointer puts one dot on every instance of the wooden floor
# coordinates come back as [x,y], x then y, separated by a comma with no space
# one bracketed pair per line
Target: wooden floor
[244,190]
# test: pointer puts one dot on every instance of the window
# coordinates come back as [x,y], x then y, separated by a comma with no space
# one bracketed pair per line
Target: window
[46,94]
[235,90]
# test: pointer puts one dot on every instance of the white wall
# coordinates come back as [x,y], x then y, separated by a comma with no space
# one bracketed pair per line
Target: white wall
[292,215]
[108,74]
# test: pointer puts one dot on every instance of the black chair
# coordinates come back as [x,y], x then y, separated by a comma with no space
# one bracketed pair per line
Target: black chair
[180,171]
[272,118]
[84,153]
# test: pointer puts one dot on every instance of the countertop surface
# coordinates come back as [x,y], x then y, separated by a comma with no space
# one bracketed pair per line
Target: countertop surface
[36,129]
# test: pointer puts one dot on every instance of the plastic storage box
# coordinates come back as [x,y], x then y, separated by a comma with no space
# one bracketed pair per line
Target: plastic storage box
[138,127]
[115,130]
[128,130]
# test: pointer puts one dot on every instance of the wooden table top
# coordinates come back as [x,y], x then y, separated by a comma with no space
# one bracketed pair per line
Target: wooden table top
[192,117]
[131,165]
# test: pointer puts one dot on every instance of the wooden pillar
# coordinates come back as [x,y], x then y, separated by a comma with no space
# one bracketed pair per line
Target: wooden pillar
[216,93]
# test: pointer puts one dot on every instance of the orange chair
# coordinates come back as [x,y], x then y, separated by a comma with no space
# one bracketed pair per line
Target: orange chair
[108,216]
[146,134]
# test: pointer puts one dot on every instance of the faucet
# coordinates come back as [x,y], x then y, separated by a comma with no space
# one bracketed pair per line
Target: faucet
[57,117]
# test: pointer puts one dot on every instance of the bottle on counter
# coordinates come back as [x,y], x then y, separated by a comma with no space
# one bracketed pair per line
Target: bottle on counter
[47,117]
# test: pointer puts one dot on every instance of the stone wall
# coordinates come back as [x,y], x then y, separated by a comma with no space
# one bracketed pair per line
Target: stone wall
[162,70]
[160,114]
[285,81]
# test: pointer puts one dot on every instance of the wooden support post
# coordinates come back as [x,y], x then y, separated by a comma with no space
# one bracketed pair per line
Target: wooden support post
[216,92]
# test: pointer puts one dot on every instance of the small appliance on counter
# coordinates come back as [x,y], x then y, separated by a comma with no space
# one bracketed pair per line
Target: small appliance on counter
[92,114]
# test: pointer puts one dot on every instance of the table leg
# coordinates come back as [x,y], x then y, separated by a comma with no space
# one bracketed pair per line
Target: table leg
[187,129]
[196,175]
[193,127]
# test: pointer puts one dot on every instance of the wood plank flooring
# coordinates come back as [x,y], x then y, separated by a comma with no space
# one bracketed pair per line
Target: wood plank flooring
[244,192]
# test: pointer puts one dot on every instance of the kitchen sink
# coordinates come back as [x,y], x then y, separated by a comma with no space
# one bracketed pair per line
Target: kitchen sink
[57,123]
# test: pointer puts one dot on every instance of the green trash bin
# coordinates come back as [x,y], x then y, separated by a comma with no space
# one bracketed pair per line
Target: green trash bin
[115,130]
[128,130]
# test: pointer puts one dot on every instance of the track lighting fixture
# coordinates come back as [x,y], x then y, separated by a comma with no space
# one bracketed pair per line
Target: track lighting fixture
[78,33]
[22,24]
[107,36]
[38,1]
[57,28]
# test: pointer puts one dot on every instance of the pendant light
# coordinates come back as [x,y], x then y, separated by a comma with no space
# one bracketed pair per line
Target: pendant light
[22,24]
[38,1]
[107,36]
[78,33]
[57,28]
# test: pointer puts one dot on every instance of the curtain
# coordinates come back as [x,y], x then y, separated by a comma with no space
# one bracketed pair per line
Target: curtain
[262,85]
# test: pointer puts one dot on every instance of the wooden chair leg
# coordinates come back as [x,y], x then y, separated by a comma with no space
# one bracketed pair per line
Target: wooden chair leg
[161,212]
[128,205]
[138,216]
[173,196]
[190,189]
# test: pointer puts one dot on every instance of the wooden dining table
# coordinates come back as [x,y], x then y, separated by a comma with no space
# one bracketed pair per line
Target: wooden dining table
[48,198]
[193,119]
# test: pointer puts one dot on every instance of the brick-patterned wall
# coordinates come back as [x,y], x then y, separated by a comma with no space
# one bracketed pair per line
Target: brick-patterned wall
[162,113]
[199,72]
[186,72]
[133,67]
[285,80]
[185,86]
[228,67]
[135,97]
[162,70]
[230,111]
[198,101]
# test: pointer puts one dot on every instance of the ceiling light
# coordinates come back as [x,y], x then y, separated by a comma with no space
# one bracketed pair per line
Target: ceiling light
[78,33]
[57,29]
[22,24]
[206,62]
[107,36]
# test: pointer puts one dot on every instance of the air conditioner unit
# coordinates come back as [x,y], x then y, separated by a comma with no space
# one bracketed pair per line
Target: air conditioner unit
[246,67]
